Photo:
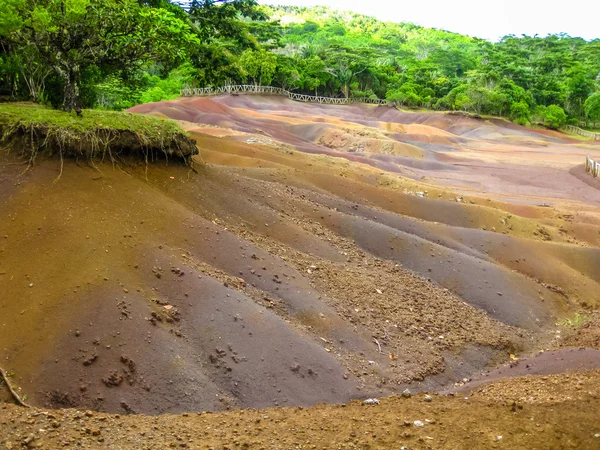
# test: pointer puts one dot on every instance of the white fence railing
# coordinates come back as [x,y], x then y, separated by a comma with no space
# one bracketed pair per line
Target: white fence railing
[592,167]
[580,132]
[253,89]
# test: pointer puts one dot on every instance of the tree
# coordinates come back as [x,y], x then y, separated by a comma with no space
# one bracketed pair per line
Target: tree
[520,113]
[259,64]
[313,73]
[579,87]
[221,18]
[34,72]
[592,107]
[286,74]
[345,64]
[552,116]
[72,35]
[407,95]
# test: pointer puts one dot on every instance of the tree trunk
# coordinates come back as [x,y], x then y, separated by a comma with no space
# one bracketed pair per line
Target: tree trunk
[71,99]
[70,95]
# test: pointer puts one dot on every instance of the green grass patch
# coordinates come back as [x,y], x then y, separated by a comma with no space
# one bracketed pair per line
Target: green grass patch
[576,321]
[577,136]
[35,129]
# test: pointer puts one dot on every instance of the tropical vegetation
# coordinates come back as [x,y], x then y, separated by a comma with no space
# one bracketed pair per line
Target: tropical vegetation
[113,54]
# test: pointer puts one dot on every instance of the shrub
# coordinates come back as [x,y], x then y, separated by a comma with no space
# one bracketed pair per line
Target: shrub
[520,113]
[552,116]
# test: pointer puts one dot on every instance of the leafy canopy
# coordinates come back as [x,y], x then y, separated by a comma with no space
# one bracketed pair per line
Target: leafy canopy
[72,35]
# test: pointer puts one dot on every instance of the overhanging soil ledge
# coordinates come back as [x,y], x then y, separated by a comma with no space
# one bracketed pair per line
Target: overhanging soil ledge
[33,130]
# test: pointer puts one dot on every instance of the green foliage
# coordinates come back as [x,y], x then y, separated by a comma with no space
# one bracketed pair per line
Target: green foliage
[73,35]
[449,71]
[576,321]
[28,114]
[520,113]
[114,54]
[592,107]
[286,73]
[96,133]
[552,116]
[406,95]
[260,65]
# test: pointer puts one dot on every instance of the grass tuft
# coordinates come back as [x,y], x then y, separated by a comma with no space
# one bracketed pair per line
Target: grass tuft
[96,134]
[576,321]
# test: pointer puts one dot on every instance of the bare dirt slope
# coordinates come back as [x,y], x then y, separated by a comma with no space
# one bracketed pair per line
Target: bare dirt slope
[555,412]
[491,158]
[285,272]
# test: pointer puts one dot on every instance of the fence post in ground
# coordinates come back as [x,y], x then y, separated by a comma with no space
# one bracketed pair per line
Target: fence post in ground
[587,163]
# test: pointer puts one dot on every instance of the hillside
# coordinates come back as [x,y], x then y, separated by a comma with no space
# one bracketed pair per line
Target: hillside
[260,269]
[548,81]
[332,278]
[343,53]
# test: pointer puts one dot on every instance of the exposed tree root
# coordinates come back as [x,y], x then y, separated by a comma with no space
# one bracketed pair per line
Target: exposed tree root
[16,396]
[106,137]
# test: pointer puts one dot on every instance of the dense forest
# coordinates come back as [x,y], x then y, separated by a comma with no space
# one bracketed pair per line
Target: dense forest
[113,54]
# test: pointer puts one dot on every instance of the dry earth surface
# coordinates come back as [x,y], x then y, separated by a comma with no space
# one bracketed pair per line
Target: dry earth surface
[317,255]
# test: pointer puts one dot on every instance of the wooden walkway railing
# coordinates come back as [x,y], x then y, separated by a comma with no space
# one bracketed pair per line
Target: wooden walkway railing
[592,167]
[580,132]
[252,89]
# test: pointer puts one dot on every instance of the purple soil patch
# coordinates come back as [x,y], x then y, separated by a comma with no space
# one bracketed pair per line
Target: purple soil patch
[510,180]
[215,349]
[580,173]
[548,363]
[505,295]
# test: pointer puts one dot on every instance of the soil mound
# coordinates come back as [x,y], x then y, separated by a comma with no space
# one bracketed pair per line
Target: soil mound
[283,273]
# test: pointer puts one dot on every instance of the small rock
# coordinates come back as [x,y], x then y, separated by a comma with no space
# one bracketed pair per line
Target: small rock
[427,398]
[371,401]
[406,393]
[418,423]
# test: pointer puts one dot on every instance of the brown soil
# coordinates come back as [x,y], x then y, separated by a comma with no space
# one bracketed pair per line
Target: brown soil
[278,275]
[584,335]
[100,143]
[546,363]
[558,411]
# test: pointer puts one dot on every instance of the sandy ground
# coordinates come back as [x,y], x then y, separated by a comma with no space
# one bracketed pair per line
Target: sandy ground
[317,255]
[551,412]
